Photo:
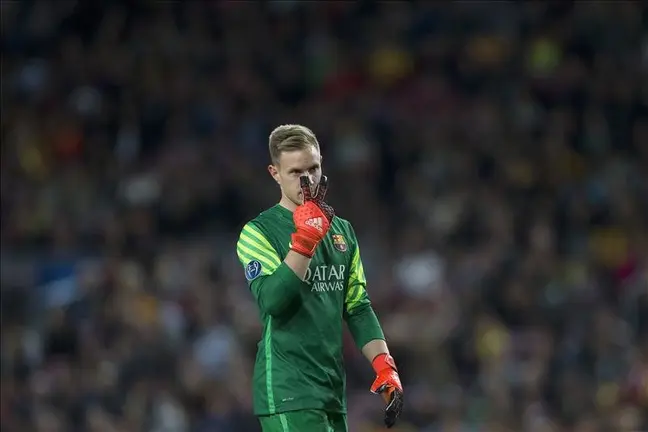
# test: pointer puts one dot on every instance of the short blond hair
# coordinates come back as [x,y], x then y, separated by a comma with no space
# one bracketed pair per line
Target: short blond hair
[290,137]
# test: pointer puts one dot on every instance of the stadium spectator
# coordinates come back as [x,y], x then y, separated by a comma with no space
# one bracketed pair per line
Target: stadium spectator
[134,146]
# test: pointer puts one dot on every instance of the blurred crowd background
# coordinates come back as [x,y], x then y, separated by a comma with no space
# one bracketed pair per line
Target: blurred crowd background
[492,156]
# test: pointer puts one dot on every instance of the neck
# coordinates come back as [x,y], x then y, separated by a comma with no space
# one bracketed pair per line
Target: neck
[286,203]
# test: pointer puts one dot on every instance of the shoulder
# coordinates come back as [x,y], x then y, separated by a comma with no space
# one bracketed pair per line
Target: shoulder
[254,233]
[255,250]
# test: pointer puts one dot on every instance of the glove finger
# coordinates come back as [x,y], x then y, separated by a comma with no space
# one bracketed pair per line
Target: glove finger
[305,184]
[322,189]
[327,210]
[394,408]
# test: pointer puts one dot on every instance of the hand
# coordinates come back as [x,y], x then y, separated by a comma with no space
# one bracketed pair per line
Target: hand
[312,218]
[388,385]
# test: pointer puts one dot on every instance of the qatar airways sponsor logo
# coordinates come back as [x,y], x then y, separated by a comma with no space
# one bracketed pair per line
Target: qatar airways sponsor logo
[326,278]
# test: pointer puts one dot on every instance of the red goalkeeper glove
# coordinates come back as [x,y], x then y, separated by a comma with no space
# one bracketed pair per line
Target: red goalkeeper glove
[312,218]
[388,385]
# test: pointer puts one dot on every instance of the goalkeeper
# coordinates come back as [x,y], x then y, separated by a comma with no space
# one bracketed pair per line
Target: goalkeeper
[303,267]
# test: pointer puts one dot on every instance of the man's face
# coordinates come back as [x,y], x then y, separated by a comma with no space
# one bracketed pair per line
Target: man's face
[291,166]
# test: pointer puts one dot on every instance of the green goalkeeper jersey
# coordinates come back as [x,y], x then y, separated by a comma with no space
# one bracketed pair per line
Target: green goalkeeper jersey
[299,363]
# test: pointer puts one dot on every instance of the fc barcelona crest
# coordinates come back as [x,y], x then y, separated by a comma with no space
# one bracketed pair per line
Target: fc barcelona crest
[339,242]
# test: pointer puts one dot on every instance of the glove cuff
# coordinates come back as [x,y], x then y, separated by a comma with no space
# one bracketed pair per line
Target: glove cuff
[382,362]
[303,245]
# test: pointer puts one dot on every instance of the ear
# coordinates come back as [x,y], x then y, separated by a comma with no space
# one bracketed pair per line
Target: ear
[274,172]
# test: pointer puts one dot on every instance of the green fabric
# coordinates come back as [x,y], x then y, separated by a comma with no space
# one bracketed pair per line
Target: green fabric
[304,420]
[275,294]
[299,363]
[363,325]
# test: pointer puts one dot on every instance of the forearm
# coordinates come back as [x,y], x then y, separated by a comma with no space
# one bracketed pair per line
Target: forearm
[275,292]
[298,263]
[365,329]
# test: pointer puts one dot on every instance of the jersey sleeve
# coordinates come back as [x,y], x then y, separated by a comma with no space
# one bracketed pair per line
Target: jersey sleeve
[273,284]
[255,253]
[358,313]
[356,294]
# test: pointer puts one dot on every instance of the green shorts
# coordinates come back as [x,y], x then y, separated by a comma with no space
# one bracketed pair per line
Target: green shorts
[304,421]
